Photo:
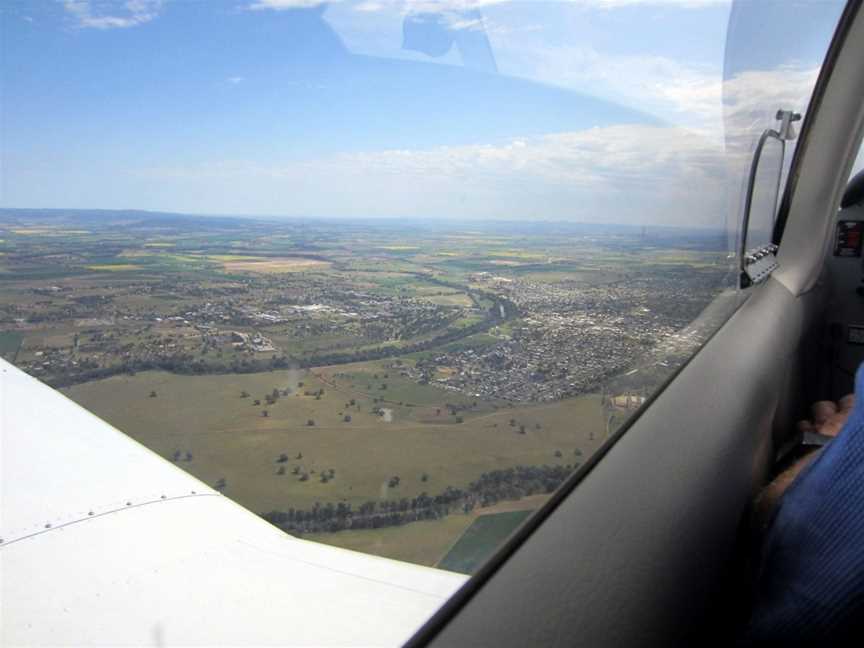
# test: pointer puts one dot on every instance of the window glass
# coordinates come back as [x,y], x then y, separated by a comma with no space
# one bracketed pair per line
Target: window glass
[384,272]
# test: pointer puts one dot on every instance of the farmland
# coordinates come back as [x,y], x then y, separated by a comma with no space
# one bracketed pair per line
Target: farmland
[371,385]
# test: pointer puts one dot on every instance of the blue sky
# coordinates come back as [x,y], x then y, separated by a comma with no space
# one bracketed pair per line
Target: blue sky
[584,110]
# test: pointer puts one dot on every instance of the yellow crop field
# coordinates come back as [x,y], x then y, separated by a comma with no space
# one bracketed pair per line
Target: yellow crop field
[113,267]
[275,265]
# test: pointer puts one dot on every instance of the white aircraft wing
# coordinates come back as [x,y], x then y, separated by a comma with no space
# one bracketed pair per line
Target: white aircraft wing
[105,543]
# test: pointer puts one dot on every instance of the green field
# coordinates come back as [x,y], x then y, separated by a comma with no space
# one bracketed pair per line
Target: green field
[480,541]
[9,343]
[230,439]
[423,543]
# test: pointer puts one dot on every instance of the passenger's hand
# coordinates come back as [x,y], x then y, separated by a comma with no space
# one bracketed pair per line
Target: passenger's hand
[828,416]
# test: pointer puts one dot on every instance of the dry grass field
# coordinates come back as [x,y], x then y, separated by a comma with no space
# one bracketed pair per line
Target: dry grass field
[230,438]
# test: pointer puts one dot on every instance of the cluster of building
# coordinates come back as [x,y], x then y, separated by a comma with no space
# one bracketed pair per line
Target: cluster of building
[570,339]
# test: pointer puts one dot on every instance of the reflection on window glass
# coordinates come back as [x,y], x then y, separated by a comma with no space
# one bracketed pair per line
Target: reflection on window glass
[764,193]
[383,272]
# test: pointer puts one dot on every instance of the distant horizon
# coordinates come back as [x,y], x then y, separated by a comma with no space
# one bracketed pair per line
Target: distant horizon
[415,220]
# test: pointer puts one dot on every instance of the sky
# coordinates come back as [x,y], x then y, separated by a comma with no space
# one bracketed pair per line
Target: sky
[582,110]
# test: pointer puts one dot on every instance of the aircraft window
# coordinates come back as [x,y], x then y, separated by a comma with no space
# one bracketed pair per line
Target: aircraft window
[385,273]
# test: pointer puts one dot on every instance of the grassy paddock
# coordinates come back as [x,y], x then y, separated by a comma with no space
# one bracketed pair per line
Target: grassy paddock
[229,438]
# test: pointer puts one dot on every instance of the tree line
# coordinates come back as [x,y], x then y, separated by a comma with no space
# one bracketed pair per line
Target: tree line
[492,487]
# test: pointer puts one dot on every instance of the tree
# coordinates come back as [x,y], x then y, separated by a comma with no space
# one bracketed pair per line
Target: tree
[393,482]
[310,423]
[265,413]
[424,477]
[188,456]
[558,454]
[282,458]
[256,402]
[244,394]
[281,470]
[176,455]
[221,484]
[347,418]
[521,429]
[152,394]
[304,477]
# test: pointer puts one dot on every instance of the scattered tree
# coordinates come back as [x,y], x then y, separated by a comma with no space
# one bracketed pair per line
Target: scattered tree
[221,484]
[310,423]
[347,418]
[152,394]
[281,470]
[282,458]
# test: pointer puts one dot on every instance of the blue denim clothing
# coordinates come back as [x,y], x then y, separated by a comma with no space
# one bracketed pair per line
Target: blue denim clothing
[810,586]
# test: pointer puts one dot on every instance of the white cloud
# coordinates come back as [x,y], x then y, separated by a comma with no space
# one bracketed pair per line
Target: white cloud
[234,80]
[280,5]
[626,173]
[632,173]
[370,5]
[112,15]
[470,5]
